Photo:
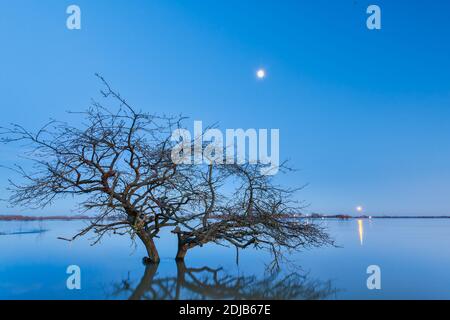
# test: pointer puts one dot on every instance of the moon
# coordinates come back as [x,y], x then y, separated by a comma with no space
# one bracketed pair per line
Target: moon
[261,74]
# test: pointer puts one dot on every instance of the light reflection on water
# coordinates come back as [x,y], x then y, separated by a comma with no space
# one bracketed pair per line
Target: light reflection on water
[413,254]
[360,231]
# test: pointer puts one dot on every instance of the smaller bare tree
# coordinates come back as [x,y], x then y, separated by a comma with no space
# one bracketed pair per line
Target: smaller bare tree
[242,207]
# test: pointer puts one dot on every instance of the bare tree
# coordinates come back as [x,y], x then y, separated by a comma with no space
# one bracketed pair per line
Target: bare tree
[253,212]
[119,165]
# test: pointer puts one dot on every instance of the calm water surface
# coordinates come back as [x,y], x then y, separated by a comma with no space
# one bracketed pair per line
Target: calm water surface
[413,255]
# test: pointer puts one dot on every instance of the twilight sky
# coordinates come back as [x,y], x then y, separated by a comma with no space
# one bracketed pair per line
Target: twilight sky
[364,115]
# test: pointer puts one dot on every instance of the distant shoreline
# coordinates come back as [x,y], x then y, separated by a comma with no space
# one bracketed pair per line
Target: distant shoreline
[346,217]
[313,216]
[42,218]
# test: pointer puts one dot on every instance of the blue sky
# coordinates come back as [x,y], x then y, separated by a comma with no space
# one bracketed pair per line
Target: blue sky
[364,115]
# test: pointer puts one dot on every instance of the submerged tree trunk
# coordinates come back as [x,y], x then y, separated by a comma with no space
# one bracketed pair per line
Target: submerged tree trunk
[181,253]
[152,252]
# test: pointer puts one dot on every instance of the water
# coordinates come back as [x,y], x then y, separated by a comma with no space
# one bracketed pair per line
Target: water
[413,254]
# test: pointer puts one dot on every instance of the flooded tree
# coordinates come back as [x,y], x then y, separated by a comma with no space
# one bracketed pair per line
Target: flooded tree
[119,165]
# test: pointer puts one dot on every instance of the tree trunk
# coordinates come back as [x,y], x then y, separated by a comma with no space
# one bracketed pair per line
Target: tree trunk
[181,253]
[153,256]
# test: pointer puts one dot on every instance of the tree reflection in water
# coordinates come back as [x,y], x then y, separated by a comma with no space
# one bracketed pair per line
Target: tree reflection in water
[208,283]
